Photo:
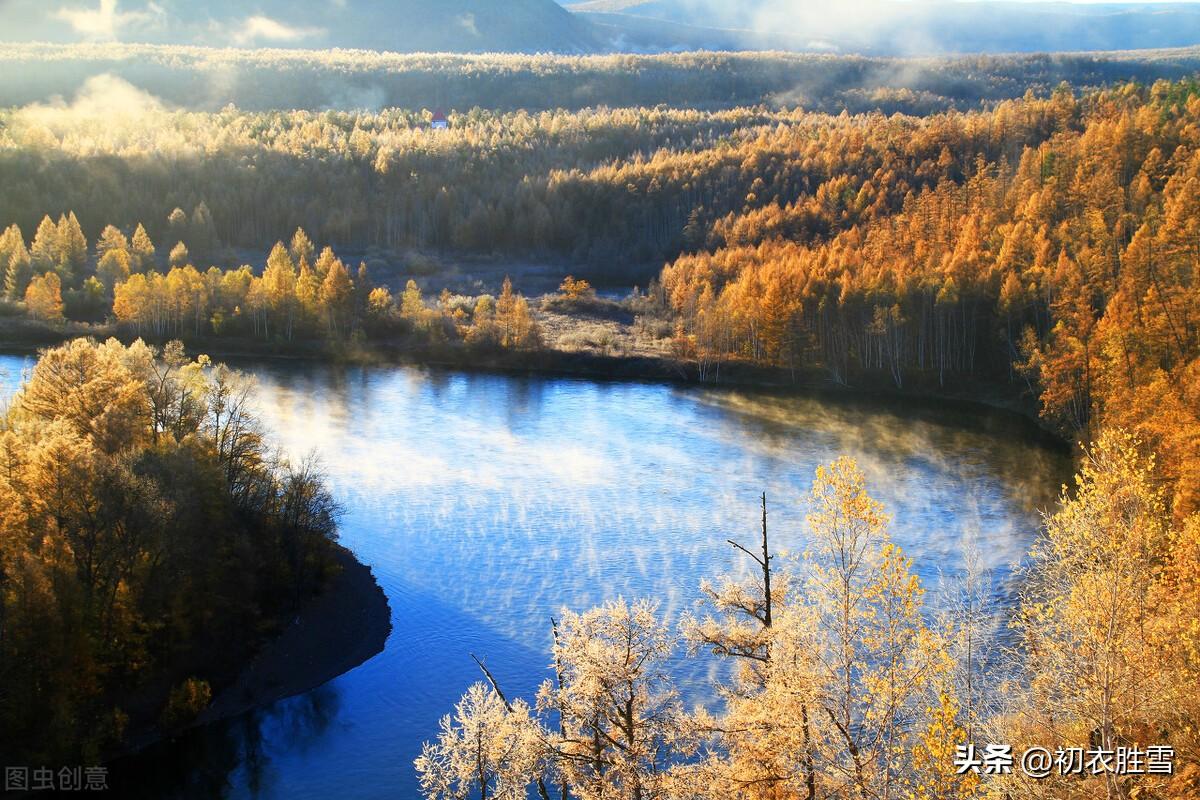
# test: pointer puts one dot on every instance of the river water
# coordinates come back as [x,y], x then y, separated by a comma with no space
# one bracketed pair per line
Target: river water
[485,503]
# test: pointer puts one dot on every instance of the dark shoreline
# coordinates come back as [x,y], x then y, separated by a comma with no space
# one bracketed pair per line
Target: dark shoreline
[339,629]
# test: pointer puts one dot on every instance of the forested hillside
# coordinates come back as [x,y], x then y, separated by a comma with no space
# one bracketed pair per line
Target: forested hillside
[1054,240]
[1047,242]
[149,539]
[207,79]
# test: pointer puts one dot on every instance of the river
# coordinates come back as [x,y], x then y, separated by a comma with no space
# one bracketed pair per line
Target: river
[484,503]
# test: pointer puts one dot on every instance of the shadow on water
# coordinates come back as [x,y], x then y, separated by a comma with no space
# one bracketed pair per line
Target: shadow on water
[209,761]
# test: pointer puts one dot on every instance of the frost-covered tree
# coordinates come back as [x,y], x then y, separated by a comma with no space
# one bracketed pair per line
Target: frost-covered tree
[1093,670]
[844,689]
[488,748]
[623,725]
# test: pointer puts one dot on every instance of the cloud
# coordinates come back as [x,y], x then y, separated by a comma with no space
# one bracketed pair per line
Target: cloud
[833,26]
[467,22]
[264,29]
[101,96]
[817,25]
[105,22]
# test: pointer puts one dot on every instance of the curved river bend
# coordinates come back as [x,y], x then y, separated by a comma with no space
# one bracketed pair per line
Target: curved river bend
[484,503]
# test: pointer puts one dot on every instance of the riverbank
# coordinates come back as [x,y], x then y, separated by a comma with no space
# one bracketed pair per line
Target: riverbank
[961,392]
[339,629]
[596,479]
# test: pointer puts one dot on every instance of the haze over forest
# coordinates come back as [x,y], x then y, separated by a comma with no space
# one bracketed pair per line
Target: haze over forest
[880,27]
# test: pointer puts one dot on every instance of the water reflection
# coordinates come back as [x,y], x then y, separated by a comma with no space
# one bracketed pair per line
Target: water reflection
[484,503]
[231,757]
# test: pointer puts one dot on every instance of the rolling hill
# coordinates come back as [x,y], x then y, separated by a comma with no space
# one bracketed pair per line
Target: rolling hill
[467,26]
[889,27]
[872,27]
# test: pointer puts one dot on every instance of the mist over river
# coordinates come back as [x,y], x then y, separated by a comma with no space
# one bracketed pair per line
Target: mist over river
[484,503]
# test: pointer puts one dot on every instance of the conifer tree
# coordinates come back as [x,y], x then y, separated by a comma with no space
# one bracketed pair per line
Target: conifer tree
[18,273]
[113,268]
[73,247]
[337,292]
[142,250]
[302,249]
[279,283]
[111,238]
[44,252]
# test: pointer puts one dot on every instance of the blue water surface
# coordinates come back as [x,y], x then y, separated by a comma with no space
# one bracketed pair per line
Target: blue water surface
[485,503]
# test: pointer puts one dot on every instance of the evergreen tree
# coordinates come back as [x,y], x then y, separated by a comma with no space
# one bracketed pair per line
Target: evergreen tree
[337,292]
[279,283]
[302,249]
[113,268]
[111,238]
[44,252]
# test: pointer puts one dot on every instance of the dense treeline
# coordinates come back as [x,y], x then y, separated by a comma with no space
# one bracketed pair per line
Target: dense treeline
[293,301]
[148,539]
[584,185]
[1070,262]
[607,187]
[841,685]
[1046,241]
[602,186]
[298,296]
[198,78]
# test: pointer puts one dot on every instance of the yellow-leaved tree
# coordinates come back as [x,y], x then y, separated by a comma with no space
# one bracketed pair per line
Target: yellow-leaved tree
[43,297]
[489,747]
[844,691]
[1096,672]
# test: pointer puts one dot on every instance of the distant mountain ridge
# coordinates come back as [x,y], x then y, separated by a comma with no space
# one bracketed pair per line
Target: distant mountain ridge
[465,26]
[888,27]
[872,27]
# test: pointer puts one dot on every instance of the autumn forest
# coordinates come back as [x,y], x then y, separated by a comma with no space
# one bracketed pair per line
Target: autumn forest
[1035,250]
